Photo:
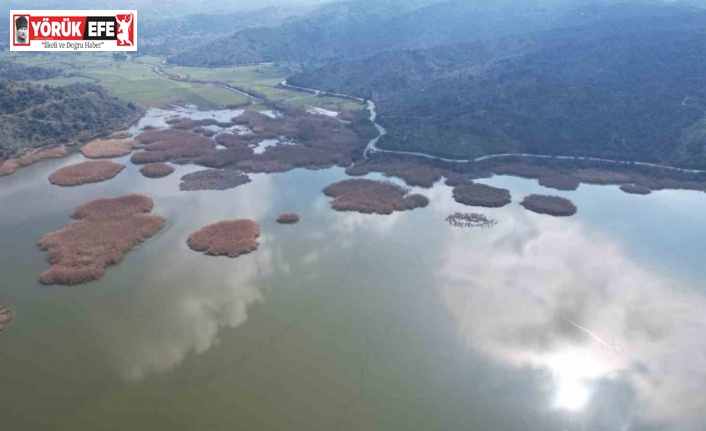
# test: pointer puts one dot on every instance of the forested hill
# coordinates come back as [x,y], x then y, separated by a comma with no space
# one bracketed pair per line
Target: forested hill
[33,116]
[357,29]
[19,72]
[625,88]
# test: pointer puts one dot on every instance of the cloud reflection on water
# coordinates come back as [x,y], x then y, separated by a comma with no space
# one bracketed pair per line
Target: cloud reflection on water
[553,295]
[185,298]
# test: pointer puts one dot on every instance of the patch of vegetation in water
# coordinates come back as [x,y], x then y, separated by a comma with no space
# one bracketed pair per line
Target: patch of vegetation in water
[105,231]
[373,197]
[551,205]
[635,189]
[107,148]
[92,171]
[413,174]
[156,170]
[5,317]
[171,145]
[481,195]
[226,238]
[290,218]
[213,179]
[10,166]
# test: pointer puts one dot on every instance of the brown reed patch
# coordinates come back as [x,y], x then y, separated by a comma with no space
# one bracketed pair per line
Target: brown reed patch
[148,127]
[104,148]
[119,134]
[232,140]
[321,141]
[5,317]
[560,182]
[204,131]
[413,174]
[551,205]
[368,196]
[290,218]
[224,157]
[635,189]
[318,142]
[9,166]
[653,178]
[171,145]
[105,231]
[226,238]
[481,195]
[264,166]
[156,170]
[213,179]
[87,172]
[190,123]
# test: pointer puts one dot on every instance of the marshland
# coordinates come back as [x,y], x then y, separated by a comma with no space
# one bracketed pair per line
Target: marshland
[378,315]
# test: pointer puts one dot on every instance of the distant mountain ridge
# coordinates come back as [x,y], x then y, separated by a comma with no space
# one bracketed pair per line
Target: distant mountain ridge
[459,79]
[624,88]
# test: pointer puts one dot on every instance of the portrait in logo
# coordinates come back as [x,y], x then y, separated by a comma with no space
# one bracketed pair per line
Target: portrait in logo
[125,29]
[21,30]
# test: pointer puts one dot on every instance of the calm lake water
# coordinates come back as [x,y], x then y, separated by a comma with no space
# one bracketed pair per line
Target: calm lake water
[359,322]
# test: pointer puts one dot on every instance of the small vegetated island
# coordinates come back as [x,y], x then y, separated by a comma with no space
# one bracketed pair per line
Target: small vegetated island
[373,197]
[106,230]
[290,218]
[551,205]
[107,148]
[5,317]
[213,179]
[226,238]
[481,195]
[93,171]
[635,189]
[156,170]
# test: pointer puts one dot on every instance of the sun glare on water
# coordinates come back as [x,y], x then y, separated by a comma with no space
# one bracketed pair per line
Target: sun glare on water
[574,373]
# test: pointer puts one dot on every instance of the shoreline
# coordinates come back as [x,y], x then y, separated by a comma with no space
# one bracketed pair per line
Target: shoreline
[372,146]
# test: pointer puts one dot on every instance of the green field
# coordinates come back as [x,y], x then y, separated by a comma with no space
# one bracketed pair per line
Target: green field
[136,81]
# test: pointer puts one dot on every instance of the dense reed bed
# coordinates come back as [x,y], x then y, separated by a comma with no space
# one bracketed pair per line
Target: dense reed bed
[105,230]
[368,196]
[226,238]
[87,172]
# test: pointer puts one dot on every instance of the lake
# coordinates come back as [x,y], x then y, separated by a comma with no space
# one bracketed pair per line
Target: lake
[348,321]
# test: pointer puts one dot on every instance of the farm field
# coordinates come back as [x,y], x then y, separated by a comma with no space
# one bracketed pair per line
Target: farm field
[135,81]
